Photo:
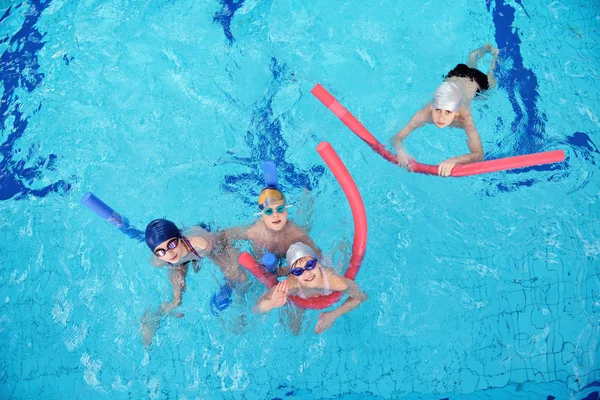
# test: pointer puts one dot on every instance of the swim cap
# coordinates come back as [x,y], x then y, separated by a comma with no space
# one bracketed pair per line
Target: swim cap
[160,230]
[268,196]
[297,251]
[448,96]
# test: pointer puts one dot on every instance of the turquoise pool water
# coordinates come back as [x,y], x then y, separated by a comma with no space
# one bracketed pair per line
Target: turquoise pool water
[482,287]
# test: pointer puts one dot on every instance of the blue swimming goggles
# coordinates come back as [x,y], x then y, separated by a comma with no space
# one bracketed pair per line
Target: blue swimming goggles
[309,266]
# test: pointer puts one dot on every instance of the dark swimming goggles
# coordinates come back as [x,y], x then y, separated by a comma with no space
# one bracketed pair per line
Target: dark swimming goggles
[170,246]
[309,266]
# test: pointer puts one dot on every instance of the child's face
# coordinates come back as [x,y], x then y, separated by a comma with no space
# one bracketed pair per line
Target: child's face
[276,221]
[442,118]
[309,278]
[171,254]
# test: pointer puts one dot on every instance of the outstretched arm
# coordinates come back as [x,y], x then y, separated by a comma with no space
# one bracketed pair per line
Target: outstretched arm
[355,298]
[151,319]
[235,233]
[418,120]
[225,253]
[177,277]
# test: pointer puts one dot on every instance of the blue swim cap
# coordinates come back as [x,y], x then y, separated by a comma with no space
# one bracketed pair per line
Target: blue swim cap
[160,230]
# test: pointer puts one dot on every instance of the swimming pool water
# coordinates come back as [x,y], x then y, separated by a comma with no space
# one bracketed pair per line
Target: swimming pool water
[481,287]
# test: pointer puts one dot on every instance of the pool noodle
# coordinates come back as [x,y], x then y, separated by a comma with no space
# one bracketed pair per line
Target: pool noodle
[105,212]
[481,167]
[500,164]
[254,268]
[270,173]
[359,245]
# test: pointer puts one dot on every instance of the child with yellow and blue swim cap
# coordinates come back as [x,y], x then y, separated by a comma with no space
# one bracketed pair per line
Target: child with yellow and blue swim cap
[273,232]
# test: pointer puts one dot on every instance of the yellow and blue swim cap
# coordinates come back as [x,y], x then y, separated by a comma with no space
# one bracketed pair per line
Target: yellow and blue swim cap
[268,196]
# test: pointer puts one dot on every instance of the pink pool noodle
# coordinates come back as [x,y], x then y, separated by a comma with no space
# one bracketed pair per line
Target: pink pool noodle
[359,245]
[482,167]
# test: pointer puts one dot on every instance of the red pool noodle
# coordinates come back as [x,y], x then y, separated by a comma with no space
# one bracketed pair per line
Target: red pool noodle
[252,266]
[481,167]
[359,245]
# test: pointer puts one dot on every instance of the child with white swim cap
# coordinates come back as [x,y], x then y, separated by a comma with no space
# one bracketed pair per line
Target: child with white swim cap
[309,278]
[450,107]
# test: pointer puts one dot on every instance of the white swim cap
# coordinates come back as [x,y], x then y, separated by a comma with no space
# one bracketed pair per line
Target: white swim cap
[448,96]
[297,251]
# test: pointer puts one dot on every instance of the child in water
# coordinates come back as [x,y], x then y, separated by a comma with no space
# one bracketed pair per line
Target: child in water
[451,107]
[176,250]
[273,232]
[308,278]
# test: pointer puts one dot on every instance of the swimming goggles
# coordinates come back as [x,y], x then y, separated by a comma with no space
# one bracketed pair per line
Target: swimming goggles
[268,211]
[170,246]
[309,266]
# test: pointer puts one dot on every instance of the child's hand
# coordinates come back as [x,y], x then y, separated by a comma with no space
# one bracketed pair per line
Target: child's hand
[279,297]
[147,333]
[326,319]
[404,159]
[445,168]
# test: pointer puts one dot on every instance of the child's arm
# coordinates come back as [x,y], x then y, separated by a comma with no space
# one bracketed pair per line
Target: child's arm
[222,251]
[177,277]
[418,120]
[355,298]
[274,298]
[474,143]
[235,233]
[151,320]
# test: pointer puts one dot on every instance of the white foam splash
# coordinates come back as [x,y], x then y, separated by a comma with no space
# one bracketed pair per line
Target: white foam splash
[585,110]
[365,56]
[92,368]
[484,270]
[75,335]
[62,307]
[153,386]
[119,386]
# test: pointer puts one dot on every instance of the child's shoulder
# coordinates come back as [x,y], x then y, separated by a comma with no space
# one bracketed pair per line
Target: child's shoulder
[292,225]
[336,281]
[424,115]
[254,229]
[297,231]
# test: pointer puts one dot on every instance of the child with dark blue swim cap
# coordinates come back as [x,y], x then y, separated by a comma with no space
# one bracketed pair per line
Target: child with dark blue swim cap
[175,249]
